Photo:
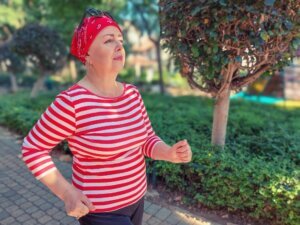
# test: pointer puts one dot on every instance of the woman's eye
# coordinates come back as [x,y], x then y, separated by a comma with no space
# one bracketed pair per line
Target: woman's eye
[108,41]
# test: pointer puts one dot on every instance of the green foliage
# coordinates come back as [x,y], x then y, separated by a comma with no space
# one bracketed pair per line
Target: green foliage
[65,15]
[127,75]
[61,15]
[10,61]
[243,182]
[257,172]
[255,128]
[20,113]
[12,14]
[35,42]
[22,80]
[4,80]
[26,80]
[207,37]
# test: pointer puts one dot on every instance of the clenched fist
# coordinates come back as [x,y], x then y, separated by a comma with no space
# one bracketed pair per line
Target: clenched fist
[180,152]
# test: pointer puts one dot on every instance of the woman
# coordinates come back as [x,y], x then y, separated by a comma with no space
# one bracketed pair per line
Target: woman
[108,131]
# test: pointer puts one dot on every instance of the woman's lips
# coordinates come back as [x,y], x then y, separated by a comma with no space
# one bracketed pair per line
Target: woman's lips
[119,58]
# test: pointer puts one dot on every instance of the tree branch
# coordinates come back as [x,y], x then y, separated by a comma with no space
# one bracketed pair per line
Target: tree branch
[227,79]
[187,70]
[243,81]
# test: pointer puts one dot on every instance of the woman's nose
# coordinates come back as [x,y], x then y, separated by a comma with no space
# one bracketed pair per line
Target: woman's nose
[119,45]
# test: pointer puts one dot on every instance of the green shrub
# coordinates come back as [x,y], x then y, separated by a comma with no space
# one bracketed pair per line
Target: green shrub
[256,173]
[127,75]
[27,80]
[4,80]
[240,181]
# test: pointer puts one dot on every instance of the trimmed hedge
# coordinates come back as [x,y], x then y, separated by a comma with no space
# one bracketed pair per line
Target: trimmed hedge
[256,173]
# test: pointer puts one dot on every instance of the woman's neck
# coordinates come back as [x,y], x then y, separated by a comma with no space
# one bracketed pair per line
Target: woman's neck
[102,85]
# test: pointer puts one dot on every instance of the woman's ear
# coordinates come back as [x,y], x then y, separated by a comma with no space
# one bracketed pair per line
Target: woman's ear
[87,56]
[88,60]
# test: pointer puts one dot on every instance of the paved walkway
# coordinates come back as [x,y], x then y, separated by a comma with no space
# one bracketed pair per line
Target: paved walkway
[26,201]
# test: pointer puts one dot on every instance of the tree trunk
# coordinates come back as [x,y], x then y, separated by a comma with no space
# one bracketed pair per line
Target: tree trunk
[158,57]
[13,83]
[38,85]
[73,70]
[220,118]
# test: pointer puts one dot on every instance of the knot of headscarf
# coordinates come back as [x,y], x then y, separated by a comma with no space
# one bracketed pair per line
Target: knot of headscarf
[85,34]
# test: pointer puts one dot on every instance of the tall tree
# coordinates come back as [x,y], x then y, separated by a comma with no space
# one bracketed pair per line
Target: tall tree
[12,17]
[143,14]
[43,47]
[12,64]
[60,15]
[224,45]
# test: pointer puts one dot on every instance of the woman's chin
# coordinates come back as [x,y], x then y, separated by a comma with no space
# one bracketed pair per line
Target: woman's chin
[117,69]
[118,65]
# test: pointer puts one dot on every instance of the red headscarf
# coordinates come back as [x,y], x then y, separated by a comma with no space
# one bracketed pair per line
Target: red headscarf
[84,35]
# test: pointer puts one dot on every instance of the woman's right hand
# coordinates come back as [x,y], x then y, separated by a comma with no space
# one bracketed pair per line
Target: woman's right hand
[76,203]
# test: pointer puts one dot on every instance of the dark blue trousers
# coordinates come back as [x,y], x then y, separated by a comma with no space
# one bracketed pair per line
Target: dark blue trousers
[130,215]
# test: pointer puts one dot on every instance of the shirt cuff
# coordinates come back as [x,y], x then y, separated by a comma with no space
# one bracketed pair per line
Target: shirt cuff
[149,145]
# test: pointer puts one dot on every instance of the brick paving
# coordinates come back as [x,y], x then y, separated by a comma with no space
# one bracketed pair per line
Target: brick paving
[26,201]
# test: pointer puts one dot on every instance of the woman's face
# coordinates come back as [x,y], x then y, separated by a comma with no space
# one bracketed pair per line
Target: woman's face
[107,53]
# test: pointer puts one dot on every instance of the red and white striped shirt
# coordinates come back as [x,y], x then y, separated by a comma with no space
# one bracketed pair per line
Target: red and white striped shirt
[108,138]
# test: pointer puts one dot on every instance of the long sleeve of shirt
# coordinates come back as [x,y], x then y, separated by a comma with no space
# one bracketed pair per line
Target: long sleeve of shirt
[54,125]
[152,138]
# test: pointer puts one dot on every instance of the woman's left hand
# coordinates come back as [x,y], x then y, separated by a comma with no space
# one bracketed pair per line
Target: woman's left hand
[180,152]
